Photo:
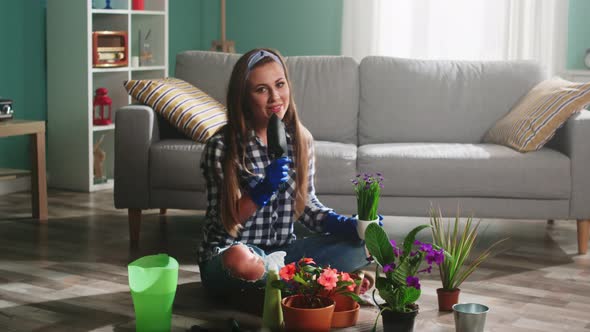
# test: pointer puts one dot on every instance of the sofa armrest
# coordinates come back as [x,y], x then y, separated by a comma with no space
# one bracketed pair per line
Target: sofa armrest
[136,129]
[574,141]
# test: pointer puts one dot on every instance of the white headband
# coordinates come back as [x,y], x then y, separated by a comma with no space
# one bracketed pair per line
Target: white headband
[256,57]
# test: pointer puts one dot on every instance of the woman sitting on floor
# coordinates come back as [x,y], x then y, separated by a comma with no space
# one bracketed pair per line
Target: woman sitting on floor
[254,201]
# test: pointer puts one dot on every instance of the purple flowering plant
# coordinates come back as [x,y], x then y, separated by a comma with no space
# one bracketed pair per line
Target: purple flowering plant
[367,187]
[398,283]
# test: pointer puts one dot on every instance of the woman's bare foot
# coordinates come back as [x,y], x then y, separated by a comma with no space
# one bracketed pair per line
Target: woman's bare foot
[367,281]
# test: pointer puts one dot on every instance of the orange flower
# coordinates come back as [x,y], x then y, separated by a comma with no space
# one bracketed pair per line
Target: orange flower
[328,278]
[305,278]
[346,277]
[288,271]
[306,261]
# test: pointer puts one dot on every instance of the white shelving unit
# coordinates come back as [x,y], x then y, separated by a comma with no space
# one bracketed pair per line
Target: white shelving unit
[72,81]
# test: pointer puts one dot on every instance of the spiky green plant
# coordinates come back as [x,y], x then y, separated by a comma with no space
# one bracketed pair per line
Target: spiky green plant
[458,242]
[368,190]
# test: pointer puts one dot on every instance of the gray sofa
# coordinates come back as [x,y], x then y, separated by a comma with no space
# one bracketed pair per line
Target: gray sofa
[420,123]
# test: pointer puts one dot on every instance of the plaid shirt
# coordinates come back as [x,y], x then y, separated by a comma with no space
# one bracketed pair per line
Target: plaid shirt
[271,225]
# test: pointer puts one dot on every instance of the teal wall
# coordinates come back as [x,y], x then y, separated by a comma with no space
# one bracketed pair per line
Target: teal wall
[23,68]
[22,71]
[302,27]
[184,28]
[578,33]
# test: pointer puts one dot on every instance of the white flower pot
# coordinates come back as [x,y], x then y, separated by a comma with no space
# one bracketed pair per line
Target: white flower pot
[361,226]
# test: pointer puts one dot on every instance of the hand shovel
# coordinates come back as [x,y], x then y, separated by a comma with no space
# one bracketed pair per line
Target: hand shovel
[277,139]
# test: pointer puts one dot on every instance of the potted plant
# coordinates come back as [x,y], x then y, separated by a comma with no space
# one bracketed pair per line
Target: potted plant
[311,289]
[398,283]
[458,242]
[368,190]
[346,310]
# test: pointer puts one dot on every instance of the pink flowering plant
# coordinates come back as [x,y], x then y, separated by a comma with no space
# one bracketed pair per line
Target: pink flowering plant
[314,282]
[367,187]
[398,282]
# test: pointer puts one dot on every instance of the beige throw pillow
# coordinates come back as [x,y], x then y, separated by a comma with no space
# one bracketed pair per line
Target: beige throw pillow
[186,107]
[536,117]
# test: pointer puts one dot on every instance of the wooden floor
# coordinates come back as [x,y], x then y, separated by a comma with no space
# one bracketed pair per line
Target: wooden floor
[70,274]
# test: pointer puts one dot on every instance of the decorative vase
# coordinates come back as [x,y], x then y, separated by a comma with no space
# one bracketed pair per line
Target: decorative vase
[399,321]
[138,5]
[447,298]
[346,311]
[361,226]
[299,318]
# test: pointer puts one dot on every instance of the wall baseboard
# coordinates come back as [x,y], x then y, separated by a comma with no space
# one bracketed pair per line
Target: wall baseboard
[9,186]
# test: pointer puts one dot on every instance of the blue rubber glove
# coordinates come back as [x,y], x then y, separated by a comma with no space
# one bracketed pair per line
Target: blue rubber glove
[339,224]
[277,172]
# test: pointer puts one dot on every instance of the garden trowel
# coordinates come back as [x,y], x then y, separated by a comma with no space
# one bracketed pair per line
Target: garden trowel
[277,139]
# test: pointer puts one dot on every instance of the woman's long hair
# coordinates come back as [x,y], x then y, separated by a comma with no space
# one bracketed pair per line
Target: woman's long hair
[240,118]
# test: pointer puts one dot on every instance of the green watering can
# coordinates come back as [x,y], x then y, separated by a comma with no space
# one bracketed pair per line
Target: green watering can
[153,280]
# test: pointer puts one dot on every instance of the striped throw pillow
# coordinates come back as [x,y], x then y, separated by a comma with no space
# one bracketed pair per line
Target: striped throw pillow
[186,107]
[537,116]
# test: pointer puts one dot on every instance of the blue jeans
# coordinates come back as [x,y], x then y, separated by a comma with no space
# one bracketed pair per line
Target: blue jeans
[340,252]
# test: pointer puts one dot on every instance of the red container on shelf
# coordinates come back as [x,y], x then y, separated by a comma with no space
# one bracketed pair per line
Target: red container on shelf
[138,5]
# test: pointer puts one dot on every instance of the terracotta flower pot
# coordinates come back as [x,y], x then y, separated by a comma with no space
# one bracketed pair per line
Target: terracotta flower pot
[399,321]
[299,318]
[346,318]
[342,302]
[346,311]
[447,298]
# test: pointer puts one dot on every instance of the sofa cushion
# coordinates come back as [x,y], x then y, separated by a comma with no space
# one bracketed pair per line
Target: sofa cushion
[325,88]
[404,100]
[335,166]
[467,170]
[175,164]
[534,120]
[210,71]
[326,91]
[185,106]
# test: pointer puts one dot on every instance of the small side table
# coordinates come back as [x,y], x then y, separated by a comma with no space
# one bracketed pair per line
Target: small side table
[38,173]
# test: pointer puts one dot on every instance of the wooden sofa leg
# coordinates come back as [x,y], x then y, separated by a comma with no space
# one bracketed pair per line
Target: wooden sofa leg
[134,216]
[583,235]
